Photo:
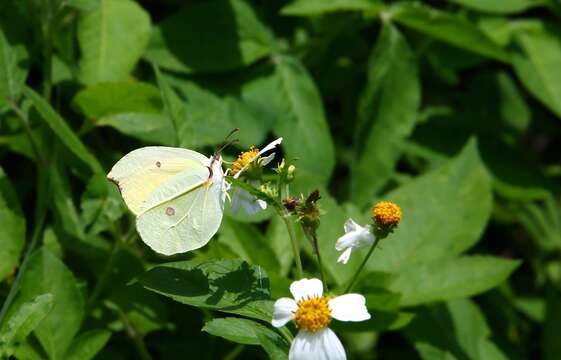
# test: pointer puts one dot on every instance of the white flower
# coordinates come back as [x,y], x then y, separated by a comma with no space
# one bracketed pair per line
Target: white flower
[312,313]
[356,236]
[241,199]
[250,156]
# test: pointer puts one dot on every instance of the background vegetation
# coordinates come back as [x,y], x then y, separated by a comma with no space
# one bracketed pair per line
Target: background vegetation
[450,108]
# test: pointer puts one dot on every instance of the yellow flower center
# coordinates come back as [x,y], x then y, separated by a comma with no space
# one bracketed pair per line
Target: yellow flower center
[386,213]
[243,159]
[313,314]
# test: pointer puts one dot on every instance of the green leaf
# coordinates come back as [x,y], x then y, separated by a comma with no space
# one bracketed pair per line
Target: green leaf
[248,332]
[444,213]
[451,278]
[387,113]
[14,56]
[26,318]
[302,122]
[538,67]
[454,330]
[47,274]
[320,7]
[227,285]
[112,38]
[101,205]
[12,236]
[188,41]
[87,345]
[208,117]
[62,130]
[499,6]
[138,113]
[552,326]
[447,27]
[234,329]
[65,213]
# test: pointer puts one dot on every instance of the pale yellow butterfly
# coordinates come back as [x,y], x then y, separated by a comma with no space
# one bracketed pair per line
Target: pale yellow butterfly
[176,194]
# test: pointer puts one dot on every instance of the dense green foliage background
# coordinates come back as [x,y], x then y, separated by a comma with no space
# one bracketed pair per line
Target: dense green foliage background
[452,109]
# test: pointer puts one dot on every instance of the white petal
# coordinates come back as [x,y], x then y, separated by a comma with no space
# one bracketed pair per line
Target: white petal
[349,307]
[283,310]
[321,345]
[262,204]
[350,225]
[306,288]
[348,240]
[265,160]
[344,258]
[270,146]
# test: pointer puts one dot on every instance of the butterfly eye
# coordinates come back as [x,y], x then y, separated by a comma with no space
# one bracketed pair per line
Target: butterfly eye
[170,211]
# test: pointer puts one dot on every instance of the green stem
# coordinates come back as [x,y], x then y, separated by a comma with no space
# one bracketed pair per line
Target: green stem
[320,263]
[234,352]
[25,122]
[359,270]
[131,332]
[294,241]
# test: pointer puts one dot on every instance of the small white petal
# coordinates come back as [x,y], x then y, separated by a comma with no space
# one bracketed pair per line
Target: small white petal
[270,146]
[346,241]
[283,310]
[265,160]
[344,258]
[262,204]
[349,307]
[350,225]
[306,288]
[321,345]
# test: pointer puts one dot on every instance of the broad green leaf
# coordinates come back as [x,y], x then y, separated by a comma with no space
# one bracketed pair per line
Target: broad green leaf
[226,285]
[14,56]
[208,116]
[47,274]
[26,318]
[173,107]
[447,27]
[274,345]
[188,41]
[387,113]
[138,113]
[249,244]
[320,7]
[499,6]
[234,329]
[62,130]
[12,236]
[537,67]
[302,122]
[112,38]
[451,278]
[552,326]
[101,205]
[454,330]
[444,213]
[87,345]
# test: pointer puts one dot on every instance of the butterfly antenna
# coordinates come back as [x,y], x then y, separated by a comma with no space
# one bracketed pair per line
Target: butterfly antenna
[226,144]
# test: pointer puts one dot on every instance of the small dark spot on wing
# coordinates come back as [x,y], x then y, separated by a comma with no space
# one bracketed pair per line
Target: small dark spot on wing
[170,211]
[158,164]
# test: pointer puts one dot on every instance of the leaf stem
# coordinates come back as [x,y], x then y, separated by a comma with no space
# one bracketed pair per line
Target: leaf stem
[361,267]
[294,241]
[233,354]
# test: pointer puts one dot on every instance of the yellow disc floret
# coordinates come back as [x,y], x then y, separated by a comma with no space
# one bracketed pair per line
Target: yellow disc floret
[386,213]
[313,314]
[244,159]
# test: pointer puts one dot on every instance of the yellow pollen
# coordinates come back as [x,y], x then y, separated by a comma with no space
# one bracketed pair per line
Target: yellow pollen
[243,159]
[313,314]
[386,213]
